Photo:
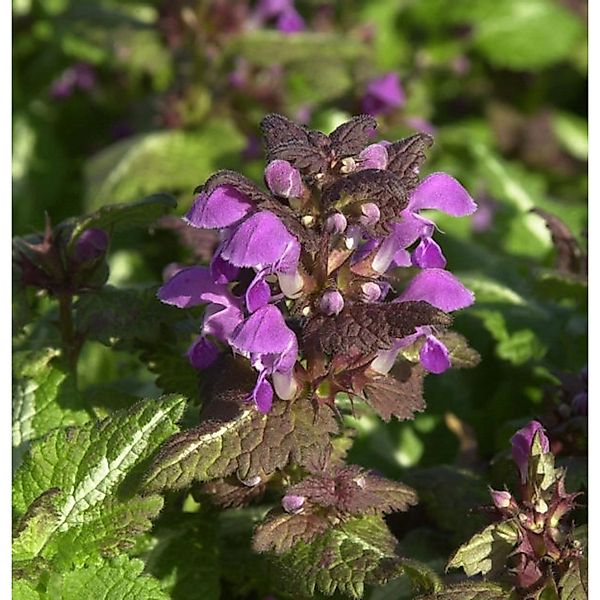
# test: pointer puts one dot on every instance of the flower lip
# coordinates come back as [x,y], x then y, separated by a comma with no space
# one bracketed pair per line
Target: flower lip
[223,207]
[442,192]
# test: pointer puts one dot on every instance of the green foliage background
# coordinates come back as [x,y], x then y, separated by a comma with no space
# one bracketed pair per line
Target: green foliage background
[504,84]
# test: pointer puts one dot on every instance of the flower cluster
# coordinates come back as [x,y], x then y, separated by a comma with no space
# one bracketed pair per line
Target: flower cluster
[301,281]
[542,537]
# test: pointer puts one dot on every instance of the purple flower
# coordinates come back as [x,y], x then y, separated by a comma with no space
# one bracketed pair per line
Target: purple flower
[262,241]
[502,499]
[434,355]
[421,124]
[522,442]
[202,353]
[283,180]
[90,245]
[223,207]
[79,76]
[370,214]
[383,95]
[336,223]
[428,255]
[290,21]
[438,191]
[192,286]
[331,303]
[292,503]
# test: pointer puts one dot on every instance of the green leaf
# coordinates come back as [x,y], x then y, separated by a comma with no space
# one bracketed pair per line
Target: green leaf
[174,160]
[471,591]
[118,579]
[185,557]
[573,585]
[111,314]
[515,34]
[123,216]
[486,552]
[251,444]
[44,397]
[22,590]
[73,491]
[462,356]
[344,558]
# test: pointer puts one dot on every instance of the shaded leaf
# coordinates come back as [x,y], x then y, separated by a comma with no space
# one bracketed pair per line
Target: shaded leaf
[351,137]
[383,188]
[486,552]
[112,314]
[462,356]
[123,216]
[406,156]
[363,329]
[343,558]
[280,531]
[573,585]
[470,591]
[229,492]
[352,490]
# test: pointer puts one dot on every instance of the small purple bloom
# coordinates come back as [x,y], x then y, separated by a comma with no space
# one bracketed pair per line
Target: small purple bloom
[292,503]
[331,303]
[221,320]
[501,499]
[434,355]
[267,9]
[521,445]
[428,255]
[283,179]
[383,95]
[421,124]
[261,241]
[374,156]
[371,291]
[336,223]
[202,353]
[90,245]
[440,288]
[290,21]
[79,76]
[223,207]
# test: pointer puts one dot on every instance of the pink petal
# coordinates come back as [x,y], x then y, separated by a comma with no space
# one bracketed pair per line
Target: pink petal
[442,192]
[434,355]
[223,207]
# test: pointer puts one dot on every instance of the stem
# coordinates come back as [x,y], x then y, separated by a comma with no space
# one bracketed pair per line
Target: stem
[71,343]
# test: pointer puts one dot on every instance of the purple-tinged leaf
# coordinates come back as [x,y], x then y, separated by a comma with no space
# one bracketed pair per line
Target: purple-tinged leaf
[351,137]
[406,156]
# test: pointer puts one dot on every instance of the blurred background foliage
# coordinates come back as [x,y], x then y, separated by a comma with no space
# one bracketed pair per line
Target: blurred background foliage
[117,99]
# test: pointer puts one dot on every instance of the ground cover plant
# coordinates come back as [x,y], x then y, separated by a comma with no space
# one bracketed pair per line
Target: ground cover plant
[299,300]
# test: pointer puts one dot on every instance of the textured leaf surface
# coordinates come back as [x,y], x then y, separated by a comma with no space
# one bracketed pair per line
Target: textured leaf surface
[117,579]
[250,444]
[470,591]
[44,397]
[363,329]
[111,314]
[344,558]
[22,590]
[351,137]
[486,552]
[462,356]
[406,156]
[573,585]
[125,216]
[384,188]
[90,507]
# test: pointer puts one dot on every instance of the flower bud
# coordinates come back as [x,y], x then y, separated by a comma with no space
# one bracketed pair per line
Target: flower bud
[336,223]
[90,245]
[332,303]
[292,504]
[371,291]
[251,481]
[283,179]
[374,156]
[501,499]
[521,446]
